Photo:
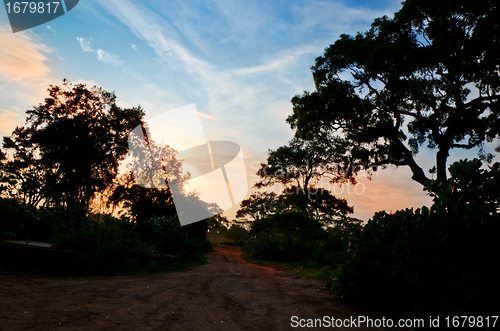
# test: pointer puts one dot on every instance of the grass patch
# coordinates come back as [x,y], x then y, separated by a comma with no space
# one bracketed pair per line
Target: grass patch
[301,269]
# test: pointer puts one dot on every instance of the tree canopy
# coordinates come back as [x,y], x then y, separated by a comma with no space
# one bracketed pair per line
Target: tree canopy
[303,163]
[409,81]
[300,168]
[71,145]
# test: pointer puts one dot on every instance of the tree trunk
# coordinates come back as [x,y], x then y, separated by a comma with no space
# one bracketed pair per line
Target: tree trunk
[441,158]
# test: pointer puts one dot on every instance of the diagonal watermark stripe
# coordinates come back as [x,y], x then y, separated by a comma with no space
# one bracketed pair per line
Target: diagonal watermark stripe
[216,169]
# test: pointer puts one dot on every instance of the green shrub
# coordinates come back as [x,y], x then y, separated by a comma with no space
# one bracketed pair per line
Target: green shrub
[437,260]
[237,233]
[20,222]
[287,237]
[207,246]
[111,246]
[168,237]
[329,251]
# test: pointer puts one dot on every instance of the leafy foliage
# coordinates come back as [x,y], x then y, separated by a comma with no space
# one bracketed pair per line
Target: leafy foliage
[303,163]
[51,182]
[169,237]
[71,146]
[220,231]
[106,245]
[141,203]
[292,237]
[470,188]
[317,203]
[406,82]
[148,190]
[436,260]
[299,168]
[258,205]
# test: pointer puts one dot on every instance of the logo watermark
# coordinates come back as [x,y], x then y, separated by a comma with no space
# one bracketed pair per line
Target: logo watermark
[28,14]
[171,151]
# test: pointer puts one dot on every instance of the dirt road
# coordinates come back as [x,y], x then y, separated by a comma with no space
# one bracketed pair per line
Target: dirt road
[228,293]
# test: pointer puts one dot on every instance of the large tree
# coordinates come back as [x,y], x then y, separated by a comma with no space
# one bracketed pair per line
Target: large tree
[407,82]
[304,163]
[71,145]
[259,205]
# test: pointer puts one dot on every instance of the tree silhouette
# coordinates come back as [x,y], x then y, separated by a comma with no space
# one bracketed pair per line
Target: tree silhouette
[303,163]
[148,190]
[258,205]
[318,203]
[71,145]
[299,167]
[406,82]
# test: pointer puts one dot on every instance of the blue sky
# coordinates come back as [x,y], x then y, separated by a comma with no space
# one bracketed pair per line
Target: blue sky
[240,62]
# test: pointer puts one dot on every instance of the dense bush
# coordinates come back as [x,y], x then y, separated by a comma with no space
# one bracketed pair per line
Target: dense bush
[109,247]
[22,222]
[286,237]
[293,237]
[438,260]
[19,221]
[106,245]
[169,237]
[237,233]
[329,251]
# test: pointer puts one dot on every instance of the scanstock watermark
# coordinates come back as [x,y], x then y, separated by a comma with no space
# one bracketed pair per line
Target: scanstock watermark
[171,149]
[28,14]
[411,323]
[355,322]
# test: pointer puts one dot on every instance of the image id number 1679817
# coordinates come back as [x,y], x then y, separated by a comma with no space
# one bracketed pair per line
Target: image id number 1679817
[32,7]
[470,321]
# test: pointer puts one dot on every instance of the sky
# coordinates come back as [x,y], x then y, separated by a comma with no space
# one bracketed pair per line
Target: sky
[239,62]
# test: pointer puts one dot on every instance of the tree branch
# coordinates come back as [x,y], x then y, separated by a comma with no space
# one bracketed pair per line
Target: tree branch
[465,146]
[480,100]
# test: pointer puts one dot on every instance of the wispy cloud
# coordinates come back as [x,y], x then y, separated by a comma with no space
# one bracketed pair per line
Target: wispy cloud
[280,61]
[24,70]
[51,30]
[245,24]
[85,44]
[317,14]
[9,119]
[22,57]
[104,56]
[224,88]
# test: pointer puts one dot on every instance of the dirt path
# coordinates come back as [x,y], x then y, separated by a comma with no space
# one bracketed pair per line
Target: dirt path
[228,293]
